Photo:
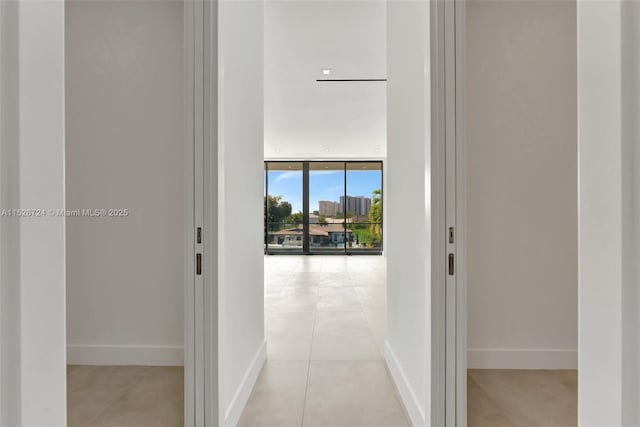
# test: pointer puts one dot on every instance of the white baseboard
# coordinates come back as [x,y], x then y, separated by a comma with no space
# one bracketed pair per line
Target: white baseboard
[240,398]
[412,404]
[492,358]
[80,354]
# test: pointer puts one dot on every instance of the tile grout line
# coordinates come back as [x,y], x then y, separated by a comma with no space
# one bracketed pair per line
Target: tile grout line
[396,394]
[352,282]
[369,326]
[313,333]
[306,388]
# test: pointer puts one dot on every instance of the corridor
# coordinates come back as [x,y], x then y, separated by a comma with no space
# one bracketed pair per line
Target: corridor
[325,322]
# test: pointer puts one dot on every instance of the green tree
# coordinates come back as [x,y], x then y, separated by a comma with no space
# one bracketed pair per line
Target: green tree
[276,211]
[322,220]
[340,215]
[295,218]
[361,233]
[375,217]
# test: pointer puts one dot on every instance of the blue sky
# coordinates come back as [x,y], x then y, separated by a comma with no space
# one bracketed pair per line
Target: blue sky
[323,185]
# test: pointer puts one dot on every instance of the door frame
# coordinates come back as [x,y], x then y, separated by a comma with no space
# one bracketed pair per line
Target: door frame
[448,148]
[460,214]
[449,291]
[456,51]
[201,366]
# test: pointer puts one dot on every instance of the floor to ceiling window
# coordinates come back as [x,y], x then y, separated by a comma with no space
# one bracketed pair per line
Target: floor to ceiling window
[283,218]
[317,207]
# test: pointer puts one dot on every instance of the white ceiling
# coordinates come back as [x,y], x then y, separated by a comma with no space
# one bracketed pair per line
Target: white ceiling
[307,119]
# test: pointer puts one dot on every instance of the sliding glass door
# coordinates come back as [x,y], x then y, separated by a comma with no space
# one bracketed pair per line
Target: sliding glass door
[326,225]
[283,219]
[364,207]
[317,207]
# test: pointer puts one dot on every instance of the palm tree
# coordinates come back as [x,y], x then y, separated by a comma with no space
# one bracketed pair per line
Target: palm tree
[375,216]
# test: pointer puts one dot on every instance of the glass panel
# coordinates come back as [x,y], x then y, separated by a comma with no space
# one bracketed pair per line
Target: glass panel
[326,219]
[363,205]
[283,207]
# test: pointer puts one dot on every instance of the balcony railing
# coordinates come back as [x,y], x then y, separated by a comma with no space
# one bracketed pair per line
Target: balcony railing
[358,237]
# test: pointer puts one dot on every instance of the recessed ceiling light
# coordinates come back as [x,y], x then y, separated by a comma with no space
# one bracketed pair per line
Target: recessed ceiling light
[326,71]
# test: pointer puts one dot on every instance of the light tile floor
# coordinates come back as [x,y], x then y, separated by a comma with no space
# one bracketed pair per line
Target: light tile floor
[325,326]
[325,323]
[510,398]
[125,396]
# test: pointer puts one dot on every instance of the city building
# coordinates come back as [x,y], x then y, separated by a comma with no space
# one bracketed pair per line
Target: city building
[355,205]
[328,208]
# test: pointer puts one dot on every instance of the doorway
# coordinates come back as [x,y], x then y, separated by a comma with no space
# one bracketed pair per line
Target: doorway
[125,161]
[517,196]
[324,315]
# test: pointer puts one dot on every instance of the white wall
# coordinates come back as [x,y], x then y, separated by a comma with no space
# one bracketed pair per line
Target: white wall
[520,112]
[306,119]
[125,143]
[33,387]
[408,346]
[240,175]
[609,195]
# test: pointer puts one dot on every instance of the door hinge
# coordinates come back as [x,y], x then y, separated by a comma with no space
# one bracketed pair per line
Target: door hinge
[451,235]
[452,266]
[198,264]
[199,235]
